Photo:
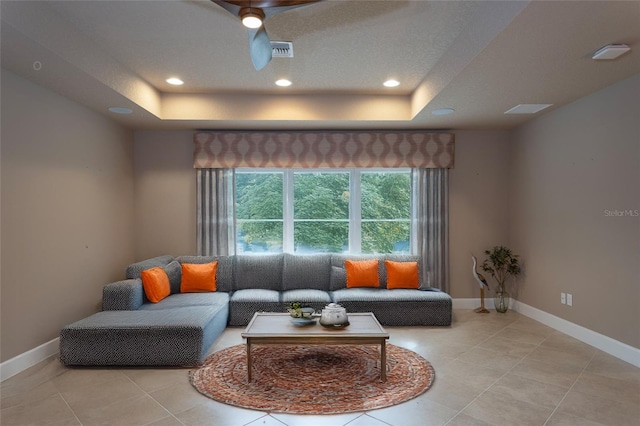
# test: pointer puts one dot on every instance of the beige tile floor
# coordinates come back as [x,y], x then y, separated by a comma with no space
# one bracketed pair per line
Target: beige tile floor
[495,369]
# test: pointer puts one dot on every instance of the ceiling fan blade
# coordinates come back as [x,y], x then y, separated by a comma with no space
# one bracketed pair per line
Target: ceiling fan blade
[274,10]
[229,7]
[259,48]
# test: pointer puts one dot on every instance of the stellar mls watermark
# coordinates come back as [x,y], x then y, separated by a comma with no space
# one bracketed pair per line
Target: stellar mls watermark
[622,213]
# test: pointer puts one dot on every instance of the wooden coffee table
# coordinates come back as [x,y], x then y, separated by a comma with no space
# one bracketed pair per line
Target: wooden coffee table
[277,329]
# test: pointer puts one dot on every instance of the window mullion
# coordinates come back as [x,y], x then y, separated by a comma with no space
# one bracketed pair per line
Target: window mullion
[287,212]
[355,212]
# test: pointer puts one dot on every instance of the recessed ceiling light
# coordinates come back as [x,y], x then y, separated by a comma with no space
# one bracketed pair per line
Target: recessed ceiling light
[443,111]
[120,110]
[611,51]
[391,83]
[527,108]
[175,81]
[283,82]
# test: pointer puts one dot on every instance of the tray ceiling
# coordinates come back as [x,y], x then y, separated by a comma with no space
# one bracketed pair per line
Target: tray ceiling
[480,58]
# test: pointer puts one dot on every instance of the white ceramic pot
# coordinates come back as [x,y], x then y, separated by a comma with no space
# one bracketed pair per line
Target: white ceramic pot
[333,314]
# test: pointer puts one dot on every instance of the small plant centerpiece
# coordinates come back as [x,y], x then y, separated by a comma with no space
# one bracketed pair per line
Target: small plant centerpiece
[297,310]
[501,264]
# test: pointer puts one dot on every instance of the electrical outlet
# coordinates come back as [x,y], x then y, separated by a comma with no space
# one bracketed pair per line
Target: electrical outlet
[563,298]
[569,299]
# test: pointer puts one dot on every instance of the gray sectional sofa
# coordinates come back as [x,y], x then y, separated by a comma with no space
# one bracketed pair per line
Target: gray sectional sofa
[179,329]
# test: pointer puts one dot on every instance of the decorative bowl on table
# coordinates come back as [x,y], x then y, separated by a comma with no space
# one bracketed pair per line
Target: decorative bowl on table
[301,315]
[303,321]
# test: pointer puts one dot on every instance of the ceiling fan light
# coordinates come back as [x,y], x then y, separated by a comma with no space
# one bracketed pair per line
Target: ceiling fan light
[251,21]
[251,17]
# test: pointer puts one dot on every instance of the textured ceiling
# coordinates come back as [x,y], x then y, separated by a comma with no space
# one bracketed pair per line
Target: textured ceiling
[478,57]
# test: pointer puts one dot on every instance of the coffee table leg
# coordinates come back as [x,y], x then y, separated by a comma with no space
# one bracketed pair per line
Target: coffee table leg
[249,359]
[383,361]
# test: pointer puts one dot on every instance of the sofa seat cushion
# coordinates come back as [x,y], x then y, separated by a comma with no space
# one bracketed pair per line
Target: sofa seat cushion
[181,300]
[317,299]
[244,303]
[398,306]
[255,295]
[177,337]
[384,295]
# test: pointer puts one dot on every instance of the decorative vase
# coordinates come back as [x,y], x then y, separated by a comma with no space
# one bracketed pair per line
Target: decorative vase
[501,301]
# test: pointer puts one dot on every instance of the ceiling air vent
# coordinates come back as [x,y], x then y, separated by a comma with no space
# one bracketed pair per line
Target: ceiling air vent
[282,49]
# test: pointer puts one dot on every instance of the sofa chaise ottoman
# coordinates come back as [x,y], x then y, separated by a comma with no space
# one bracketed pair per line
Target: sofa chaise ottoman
[176,337]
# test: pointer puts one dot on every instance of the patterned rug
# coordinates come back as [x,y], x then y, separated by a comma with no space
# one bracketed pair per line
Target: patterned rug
[313,379]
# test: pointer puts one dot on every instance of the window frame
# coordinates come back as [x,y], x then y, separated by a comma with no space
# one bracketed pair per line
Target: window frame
[355,202]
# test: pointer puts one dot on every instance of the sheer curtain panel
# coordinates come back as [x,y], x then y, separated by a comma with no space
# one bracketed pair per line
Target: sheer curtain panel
[215,209]
[431,225]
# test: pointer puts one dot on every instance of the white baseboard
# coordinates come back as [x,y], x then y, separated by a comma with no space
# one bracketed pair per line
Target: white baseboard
[606,344]
[19,363]
[472,303]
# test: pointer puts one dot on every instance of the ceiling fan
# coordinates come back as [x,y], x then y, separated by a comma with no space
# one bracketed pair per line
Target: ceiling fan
[253,14]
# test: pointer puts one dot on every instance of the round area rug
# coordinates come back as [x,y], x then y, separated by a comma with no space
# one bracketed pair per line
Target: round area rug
[313,379]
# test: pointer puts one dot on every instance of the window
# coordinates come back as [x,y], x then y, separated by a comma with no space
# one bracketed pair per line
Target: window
[334,211]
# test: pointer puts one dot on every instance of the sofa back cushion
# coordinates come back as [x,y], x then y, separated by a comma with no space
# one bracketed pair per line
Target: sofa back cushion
[224,273]
[306,272]
[174,272]
[261,271]
[134,270]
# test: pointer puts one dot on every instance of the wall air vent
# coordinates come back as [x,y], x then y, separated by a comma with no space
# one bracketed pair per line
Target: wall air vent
[282,49]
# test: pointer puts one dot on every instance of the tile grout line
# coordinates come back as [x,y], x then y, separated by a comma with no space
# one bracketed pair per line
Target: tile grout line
[152,398]
[570,388]
[71,409]
[499,378]
[260,418]
[487,388]
[365,414]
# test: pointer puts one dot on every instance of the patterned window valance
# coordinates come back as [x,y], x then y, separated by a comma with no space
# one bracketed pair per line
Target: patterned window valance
[218,150]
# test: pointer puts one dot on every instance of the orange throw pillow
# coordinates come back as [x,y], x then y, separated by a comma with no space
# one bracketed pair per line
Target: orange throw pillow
[198,277]
[362,273]
[402,274]
[155,282]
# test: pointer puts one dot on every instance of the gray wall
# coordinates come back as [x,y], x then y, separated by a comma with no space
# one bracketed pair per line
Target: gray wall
[478,204]
[67,212]
[569,167]
[165,187]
